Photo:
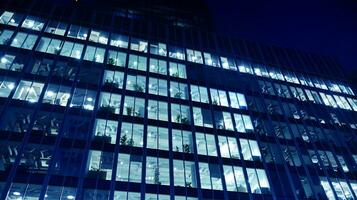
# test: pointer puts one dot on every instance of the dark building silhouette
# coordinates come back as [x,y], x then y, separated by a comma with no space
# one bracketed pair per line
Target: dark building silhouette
[142,100]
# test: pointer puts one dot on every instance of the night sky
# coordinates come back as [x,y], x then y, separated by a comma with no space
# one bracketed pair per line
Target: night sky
[326,27]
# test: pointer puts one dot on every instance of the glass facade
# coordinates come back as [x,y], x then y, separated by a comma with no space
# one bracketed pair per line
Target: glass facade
[95,113]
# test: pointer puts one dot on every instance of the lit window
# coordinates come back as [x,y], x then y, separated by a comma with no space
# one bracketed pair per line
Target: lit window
[5,36]
[105,131]
[228,63]
[178,90]
[157,110]
[234,177]
[206,144]
[258,181]
[100,165]
[157,171]
[139,45]
[99,36]
[219,97]
[70,49]
[210,176]
[11,62]
[177,70]
[158,48]
[180,114]
[10,18]
[29,91]
[131,134]
[184,173]
[57,95]
[137,62]
[176,52]
[48,45]
[33,23]
[83,98]
[158,138]
[202,117]
[237,100]
[129,168]
[158,66]
[134,106]
[116,58]
[199,94]
[24,40]
[243,123]
[113,79]
[182,141]
[94,54]
[250,150]
[157,86]
[136,83]
[78,32]
[212,60]
[223,120]
[194,56]
[109,102]
[119,41]
[244,67]
[56,27]
[228,147]
[6,86]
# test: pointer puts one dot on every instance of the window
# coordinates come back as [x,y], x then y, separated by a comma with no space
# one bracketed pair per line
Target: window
[243,123]
[48,45]
[126,195]
[10,18]
[237,100]
[33,23]
[6,86]
[83,98]
[244,67]
[24,191]
[258,181]
[29,91]
[250,150]
[180,114]
[211,60]
[158,66]
[57,95]
[109,102]
[137,62]
[228,147]
[70,49]
[100,165]
[158,48]
[116,58]
[99,36]
[78,32]
[113,79]
[158,138]
[184,173]
[11,62]
[219,97]
[228,63]
[234,177]
[136,83]
[129,168]
[194,56]
[121,41]
[94,54]
[5,36]
[178,90]
[176,52]
[199,94]
[157,86]
[24,40]
[223,120]
[182,141]
[139,45]
[105,131]
[56,27]
[206,144]
[177,70]
[157,110]
[157,171]
[202,117]
[134,106]
[210,176]
[132,134]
